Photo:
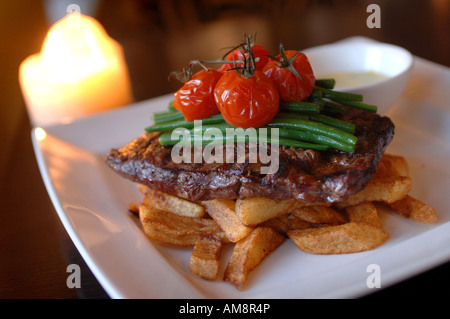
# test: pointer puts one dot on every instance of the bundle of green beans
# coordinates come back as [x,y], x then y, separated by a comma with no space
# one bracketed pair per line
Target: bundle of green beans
[323,93]
[300,124]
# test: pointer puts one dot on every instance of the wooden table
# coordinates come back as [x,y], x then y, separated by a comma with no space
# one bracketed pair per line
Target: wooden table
[159,37]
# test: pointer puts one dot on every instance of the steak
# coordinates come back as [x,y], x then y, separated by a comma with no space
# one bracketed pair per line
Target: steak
[312,176]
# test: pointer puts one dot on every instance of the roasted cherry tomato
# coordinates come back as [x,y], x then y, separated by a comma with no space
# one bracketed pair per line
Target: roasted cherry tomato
[290,86]
[246,101]
[258,51]
[196,98]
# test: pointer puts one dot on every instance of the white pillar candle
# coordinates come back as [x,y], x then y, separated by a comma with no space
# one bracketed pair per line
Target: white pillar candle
[80,70]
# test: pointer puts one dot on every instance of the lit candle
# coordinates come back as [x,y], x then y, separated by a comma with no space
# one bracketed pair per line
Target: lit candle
[80,70]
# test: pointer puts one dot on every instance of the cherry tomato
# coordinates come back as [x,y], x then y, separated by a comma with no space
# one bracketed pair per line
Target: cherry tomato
[290,86]
[246,101]
[258,51]
[195,99]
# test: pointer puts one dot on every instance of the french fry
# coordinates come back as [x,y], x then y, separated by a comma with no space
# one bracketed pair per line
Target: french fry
[176,230]
[173,204]
[390,183]
[415,210]
[365,213]
[257,226]
[256,210]
[205,258]
[320,215]
[248,253]
[392,165]
[222,211]
[387,189]
[286,222]
[253,211]
[341,239]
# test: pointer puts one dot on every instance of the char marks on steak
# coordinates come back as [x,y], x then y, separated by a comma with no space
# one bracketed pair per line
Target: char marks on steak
[312,176]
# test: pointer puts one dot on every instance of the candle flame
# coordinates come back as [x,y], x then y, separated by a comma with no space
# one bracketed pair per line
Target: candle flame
[72,51]
[80,70]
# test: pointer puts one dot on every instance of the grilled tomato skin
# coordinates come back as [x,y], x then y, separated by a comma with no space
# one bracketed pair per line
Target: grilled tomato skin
[246,101]
[290,86]
[195,99]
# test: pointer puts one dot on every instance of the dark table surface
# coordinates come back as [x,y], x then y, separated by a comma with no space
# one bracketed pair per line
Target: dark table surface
[159,37]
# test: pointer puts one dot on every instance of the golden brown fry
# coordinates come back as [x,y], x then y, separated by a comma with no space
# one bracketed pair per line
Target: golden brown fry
[392,165]
[222,211]
[253,211]
[390,183]
[256,210]
[341,239]
[249,253]
[176,230]
[365,213]
[386,189]
[320,215]
[415,210]
[173,204]
[286,222]
[205,258]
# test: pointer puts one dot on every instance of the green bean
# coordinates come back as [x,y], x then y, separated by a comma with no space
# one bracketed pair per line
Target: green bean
[309,129]
[318,101]
[326,83]
[362,106]
[331,121]
[324,119]
[340,96]
[282,115]
[301,136]
[335,108]
[170,126]
[163,117]
[300,144]
[300,106]
[315,138]
[316,94]
[166,139]
[221,126]
[315,127]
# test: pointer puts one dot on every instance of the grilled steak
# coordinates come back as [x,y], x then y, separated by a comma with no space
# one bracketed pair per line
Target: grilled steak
[313,176]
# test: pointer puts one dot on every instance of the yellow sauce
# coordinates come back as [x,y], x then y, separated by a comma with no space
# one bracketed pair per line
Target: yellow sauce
[346,79]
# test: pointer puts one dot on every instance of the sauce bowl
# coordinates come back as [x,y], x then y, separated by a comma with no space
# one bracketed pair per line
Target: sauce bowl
[379,71]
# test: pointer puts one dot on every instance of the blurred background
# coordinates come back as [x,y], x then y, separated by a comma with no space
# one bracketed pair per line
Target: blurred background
[159,36]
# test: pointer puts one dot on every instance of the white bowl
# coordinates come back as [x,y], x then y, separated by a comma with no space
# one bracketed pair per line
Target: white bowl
[362,55]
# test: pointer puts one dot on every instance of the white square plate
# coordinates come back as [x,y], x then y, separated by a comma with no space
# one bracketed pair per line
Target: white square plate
[92,202]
